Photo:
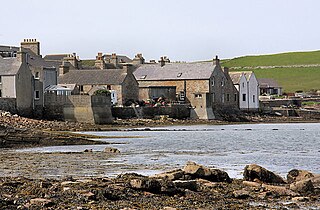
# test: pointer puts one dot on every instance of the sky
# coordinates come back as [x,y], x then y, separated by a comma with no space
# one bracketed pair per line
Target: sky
[183,30]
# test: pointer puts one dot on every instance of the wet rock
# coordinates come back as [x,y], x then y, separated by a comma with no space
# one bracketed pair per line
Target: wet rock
[199,171]
[170,175]
[303,186]
[186,184]
[279,190]
[147,184]
[298,175]
[241,194]
[206,183]
[111,150]
[251,184]
[253,171]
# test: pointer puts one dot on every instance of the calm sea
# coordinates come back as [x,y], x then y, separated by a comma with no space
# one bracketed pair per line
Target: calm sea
[277,147]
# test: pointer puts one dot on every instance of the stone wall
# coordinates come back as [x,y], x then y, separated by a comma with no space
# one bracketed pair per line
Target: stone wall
[9,105]
[174,111]
[79,108]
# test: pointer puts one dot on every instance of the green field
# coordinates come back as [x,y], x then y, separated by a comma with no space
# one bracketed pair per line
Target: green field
[292,79]
[283,59]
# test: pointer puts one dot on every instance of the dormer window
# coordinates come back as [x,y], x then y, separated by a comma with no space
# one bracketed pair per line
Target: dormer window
[36,76]
[143,76]
[179,75]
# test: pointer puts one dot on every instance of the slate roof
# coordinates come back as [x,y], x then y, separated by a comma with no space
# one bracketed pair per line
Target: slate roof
[37,61]
[235,76]
[174,71]
[9,66]
[8,48]
[268,82]
[55,57]
[93,77]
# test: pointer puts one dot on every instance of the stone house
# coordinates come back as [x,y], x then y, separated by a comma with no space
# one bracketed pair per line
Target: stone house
[205,86]
[120,81]
[45,73]
[16,84]
[269,86]
[247,85]
[71,60]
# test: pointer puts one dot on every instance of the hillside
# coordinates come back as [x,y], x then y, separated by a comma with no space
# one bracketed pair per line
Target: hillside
[293,71]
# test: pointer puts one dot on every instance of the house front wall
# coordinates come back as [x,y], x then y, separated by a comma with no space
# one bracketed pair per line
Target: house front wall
[130,89]
[24,90]
[224,95]
[244,95]
[8,89]
[253,89]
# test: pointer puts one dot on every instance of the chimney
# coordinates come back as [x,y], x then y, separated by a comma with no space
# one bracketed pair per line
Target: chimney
[31,44]
[216,61]
[22,56]
[114,59]
[162,62]
[128,68]
[100,63]
[72,58]
[63,69]
[138,59]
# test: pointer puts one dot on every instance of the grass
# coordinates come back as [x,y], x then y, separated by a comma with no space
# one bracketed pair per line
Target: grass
[292,79]
[283,59]
[88,62]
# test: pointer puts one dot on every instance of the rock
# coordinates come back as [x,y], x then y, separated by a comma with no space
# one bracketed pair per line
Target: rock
[303,186]
[168,208]
[186,184]
[253,171]
[111,150]
[68,183]
[170,175]
[280,190]
[198,171]
[41,201]
[298,175]
[88,150]
[207,183]
[241,194]
[147,184]
[251,184]
[300,199]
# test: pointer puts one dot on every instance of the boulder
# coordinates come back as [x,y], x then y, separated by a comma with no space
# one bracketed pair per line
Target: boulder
[279,190]
[147,184]
[186,184]
[170,175]
[298,175]
[199,171]
[111,150]
[303,186]
[255,172]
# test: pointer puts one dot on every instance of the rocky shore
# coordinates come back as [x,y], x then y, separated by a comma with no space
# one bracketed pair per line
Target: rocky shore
[193,187]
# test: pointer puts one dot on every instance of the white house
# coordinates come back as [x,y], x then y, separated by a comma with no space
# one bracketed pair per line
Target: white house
[247,85]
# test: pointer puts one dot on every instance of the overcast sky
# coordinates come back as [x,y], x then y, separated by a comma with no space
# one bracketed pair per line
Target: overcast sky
[184,30]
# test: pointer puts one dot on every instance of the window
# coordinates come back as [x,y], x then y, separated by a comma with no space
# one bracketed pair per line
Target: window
[228,97]
[244,96]
[222,98]
[213,99]
[243,84]
[212,81]
[182,96]
[37,94]
[36,76]
[198,95]
[0,93]
[235,97]
[81,88]
[0,79]
[108,87]
[222,82]
[254,99]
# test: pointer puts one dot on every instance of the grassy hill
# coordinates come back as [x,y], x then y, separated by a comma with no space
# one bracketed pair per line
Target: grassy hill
[293,71]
